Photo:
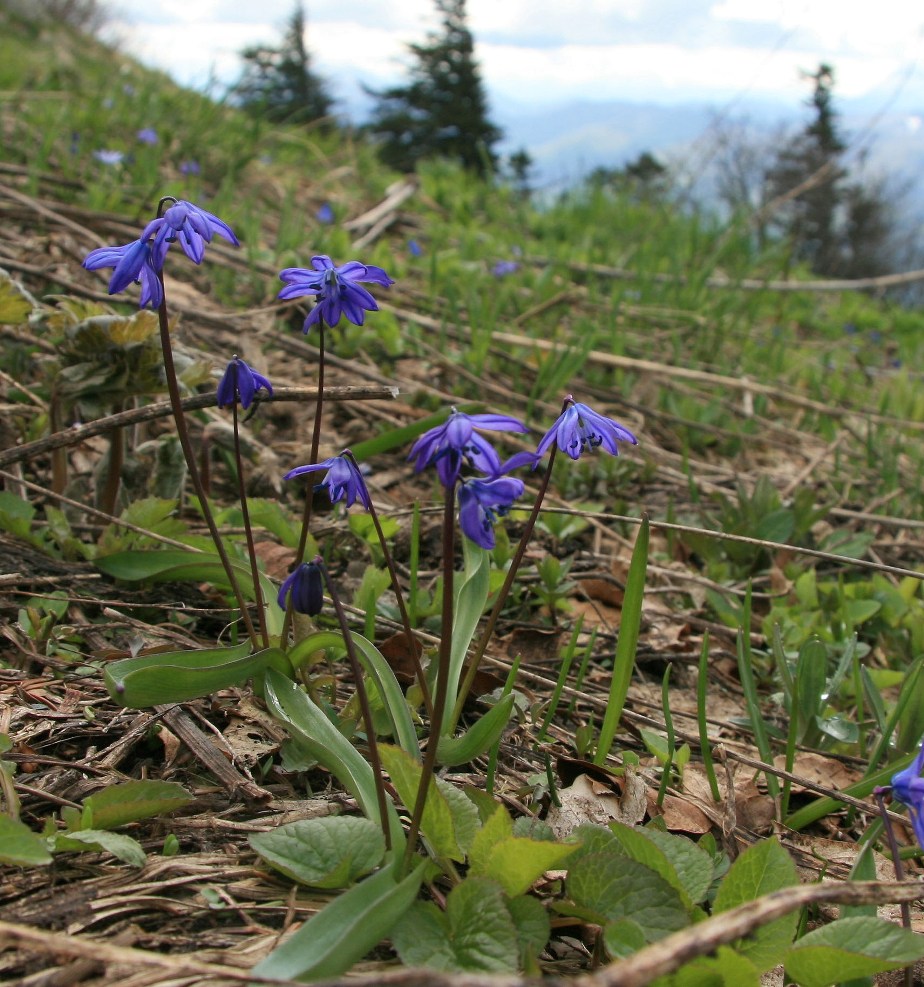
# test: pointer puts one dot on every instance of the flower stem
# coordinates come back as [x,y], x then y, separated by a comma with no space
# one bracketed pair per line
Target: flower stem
[313,458]
[363,697]
[396,586]
[442,674]
[248,530]
[176,403]
[474,662]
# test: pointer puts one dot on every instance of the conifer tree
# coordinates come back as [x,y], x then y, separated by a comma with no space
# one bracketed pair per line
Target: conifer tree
[278,82]
[442,110]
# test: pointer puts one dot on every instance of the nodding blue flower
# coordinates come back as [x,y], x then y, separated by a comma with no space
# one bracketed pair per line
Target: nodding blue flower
[908,787]
[337,289]
[455,442]
[414,248]
[343,481]
[504,267]
[240,383]
[107,157]
[147,135]
[581,429]
[193,228]
[325,213]
[134,261]
[481,502]
[190,167]
[304,586]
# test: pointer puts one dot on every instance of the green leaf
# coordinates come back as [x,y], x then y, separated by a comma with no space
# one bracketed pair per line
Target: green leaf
[475,934]
[622,938]
[471,595]
[122,847]
[20,846]
[132,800]
[515,862]
[533,927]
[323,853]
[726,969]
[613,886]
[16,303]
[850,948]
[692,864]
[177,676]
[479,738]
[448,823]
[629,627]
[331,941]
[761,869]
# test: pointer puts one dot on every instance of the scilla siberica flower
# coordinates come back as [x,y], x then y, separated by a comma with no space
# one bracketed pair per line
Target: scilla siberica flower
[908,787]
[131,262]
[192,227]
[240,382]
[581,429]
[305,587]
[343,481]
[337,289]
[456,441]
[481,502]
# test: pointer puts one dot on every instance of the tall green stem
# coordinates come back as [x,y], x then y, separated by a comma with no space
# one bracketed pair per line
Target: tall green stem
[442,674]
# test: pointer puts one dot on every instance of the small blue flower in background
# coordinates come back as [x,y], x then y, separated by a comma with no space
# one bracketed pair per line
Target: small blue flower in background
[109,157]
[240,382]
[147,135]
[325,213]
[305,587]
[131,262]
[481,502]
[337,289]
[581,429]
[190,167]
[908,787]
[193,227]
[414,248]
[455,441]
[504,267]
[343,481]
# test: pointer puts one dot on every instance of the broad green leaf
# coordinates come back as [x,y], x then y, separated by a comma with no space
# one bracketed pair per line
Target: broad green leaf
[465,819]
[850,948]
[132,800]
[475,934]
[613,886]
[692,864]
[761,869]
[479,738]
[634,843]
[726,969]
[122,847]
[471,595]
[629,627]
[177,676]
[324,853]
[16,304]
[445,824]
[623,938]
[331,941]
[532,925]
[324,742]
[812,676]
[20,846]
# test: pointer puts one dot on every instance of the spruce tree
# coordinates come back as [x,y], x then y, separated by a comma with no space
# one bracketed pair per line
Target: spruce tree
[442,110]
[278,82]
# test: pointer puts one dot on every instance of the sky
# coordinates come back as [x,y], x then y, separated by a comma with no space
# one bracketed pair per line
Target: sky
[536,53]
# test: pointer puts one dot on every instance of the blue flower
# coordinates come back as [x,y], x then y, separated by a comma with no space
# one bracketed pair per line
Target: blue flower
[325,213]
[908,787]
[305,587]
[107,157]
[504,267]
[579,429]
[337,289]
[147,135]
[132,262]
[456,441]
[343,481]
[193,227]
[190,167]
[414,248]
[481,502]
[240,382]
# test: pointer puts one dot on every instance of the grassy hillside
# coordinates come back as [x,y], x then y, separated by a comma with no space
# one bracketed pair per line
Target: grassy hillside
[779,461]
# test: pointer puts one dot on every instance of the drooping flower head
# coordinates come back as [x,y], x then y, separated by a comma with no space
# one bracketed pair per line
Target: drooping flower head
[504,267]
[193,228]
[343,481]
[481,502]
[581,429]
[305,586]
[147,135]
[337,289]
[908,787]
[325,213]
[456,442]
[240,383]
[131,262]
